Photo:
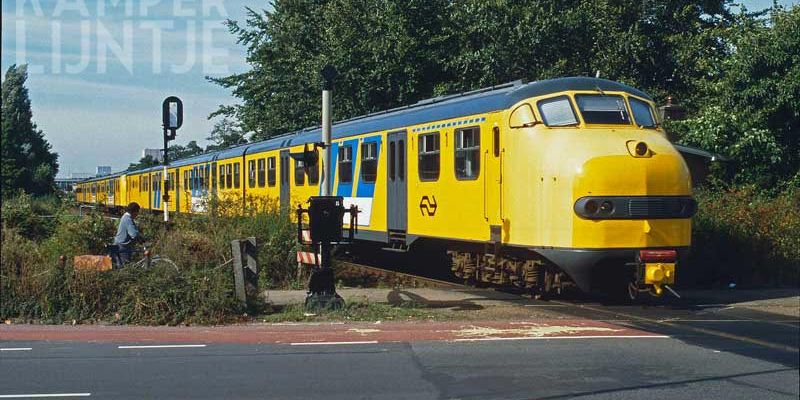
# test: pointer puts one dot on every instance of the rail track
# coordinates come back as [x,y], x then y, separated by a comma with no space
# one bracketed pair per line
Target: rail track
[367,275]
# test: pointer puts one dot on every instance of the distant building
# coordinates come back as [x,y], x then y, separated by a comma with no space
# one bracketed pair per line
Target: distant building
[66,183]
[80,175]
[103,170]
[156,154]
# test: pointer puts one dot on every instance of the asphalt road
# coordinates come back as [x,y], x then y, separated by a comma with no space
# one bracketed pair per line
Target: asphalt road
[691,352]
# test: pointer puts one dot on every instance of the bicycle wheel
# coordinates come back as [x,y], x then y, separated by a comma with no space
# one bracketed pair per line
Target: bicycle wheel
[162,262]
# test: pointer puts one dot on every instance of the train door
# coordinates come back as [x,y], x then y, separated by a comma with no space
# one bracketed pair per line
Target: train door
[493,157]
[397,184]
[285,193]
[156,182]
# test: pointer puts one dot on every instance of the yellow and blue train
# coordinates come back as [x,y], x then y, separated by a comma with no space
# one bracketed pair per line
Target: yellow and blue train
[543,185]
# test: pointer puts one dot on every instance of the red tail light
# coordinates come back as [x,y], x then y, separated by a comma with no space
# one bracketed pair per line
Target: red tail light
[658,255]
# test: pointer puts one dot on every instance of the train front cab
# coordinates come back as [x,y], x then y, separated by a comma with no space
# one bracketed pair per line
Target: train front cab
[597,189]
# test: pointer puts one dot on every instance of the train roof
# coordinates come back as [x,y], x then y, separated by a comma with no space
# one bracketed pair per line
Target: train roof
[444,107]
[479,101]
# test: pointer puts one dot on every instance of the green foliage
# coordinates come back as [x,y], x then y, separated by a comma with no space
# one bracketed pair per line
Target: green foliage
[34,286]
[27,160]
[34,218]
[144,162]
[226,133]
[736,72]
[418,49]
[357,311]
[746,237]
[751,109]
[177,151]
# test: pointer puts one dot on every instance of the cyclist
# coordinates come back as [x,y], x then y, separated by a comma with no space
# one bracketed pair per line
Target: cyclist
[127,233]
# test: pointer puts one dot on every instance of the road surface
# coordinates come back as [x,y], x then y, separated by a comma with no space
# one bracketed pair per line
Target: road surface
[583,350]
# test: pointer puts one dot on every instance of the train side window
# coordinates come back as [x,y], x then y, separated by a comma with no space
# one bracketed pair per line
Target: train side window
[251,173]
[346,164]
[222,176]
[299,173]
[201,183]
[313,174]
[214,176]
[186,179]
[369,161]
[236,175]
[271,171]
[557,111]
[468,153]
[262,173]
[428,157]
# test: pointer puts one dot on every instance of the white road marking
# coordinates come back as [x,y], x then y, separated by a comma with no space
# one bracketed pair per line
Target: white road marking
[16,349]
[163,346]
[492,339]
[331,343]
[41,395]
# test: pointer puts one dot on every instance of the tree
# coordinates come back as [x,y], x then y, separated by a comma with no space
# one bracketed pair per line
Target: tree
[226,133]
[396,64]
[422,48]
[734,71]
[144,162]
[177,151]
[28,162]
[752,109]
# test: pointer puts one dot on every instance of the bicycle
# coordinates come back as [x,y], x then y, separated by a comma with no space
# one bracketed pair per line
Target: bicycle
[147,261]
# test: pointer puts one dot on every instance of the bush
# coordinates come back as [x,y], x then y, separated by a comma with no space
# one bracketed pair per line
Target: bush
[35,286]
[745,237]
[30,217]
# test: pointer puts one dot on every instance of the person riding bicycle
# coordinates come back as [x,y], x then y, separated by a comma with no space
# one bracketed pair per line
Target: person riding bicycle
[127,233]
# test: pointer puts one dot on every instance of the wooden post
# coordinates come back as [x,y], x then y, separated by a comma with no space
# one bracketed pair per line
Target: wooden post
[245,267]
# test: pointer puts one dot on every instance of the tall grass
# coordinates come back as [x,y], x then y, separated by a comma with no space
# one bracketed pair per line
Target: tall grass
[35,285]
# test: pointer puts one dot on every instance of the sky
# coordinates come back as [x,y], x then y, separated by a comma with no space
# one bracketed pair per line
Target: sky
[99,70]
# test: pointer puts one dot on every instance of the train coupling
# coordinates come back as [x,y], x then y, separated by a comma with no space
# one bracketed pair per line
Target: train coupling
[655,271]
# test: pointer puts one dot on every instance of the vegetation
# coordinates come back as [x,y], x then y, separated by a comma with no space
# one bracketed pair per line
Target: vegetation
[144,162]
[28,164]
[357,311]
[33,285]
[745,237]
[736,72]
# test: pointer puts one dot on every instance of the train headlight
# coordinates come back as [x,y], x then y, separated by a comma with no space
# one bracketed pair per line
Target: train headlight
[590,207]
[606,207]
[641,149]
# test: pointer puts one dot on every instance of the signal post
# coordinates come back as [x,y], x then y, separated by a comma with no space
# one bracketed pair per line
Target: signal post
[325,213]
[171,120]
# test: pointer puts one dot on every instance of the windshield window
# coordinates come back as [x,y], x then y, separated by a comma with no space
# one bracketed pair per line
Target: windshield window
[601,109]
[557,111]
[642,113]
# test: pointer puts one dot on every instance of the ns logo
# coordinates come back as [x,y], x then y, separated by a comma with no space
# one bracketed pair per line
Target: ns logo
[428,206]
